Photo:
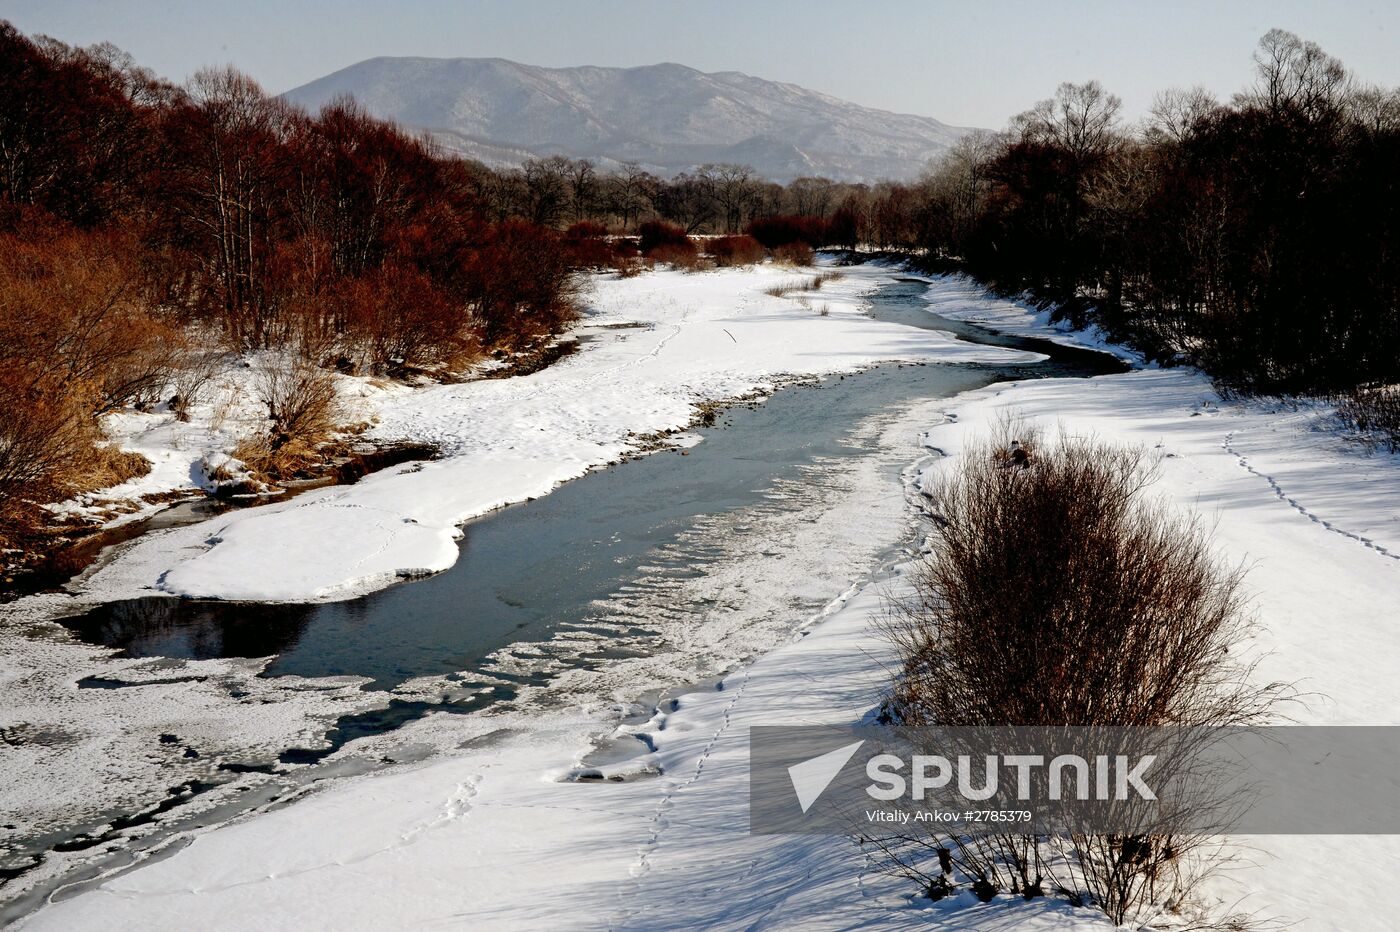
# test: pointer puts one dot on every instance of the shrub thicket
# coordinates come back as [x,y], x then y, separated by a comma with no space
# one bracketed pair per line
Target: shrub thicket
[654,234]
[76,340]
[1374,411]
[134,214]
[1057,594]
[775,232]
[794,254]
[735,250]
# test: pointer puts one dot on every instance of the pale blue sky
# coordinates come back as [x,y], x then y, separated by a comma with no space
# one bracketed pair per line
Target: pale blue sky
[969,63]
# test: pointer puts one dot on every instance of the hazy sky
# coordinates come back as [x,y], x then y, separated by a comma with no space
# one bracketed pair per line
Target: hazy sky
[969,63]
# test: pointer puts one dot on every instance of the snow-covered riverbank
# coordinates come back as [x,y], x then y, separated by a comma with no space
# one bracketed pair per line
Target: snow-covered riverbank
[494,837]
[657,345]
[497,835]
[92,737]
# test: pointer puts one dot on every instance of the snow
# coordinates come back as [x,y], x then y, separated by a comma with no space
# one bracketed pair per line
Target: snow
[655,346]
[191,454]
[87,754]
[76,754]
[497,834]
[959,297]
[499,837]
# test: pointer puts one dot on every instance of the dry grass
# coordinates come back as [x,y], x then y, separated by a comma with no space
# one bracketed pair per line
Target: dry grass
[303,408]
[802,285]
[782,289]
[1374,412]
[109,465]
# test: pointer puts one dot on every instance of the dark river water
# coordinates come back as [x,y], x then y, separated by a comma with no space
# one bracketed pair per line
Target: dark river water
[530,575]
[525,570]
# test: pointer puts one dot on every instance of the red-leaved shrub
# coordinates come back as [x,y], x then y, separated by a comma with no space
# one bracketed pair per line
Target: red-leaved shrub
[683,255]
[75,342]
[794,254]
[399,320]
[656,233]
[774,232]
[587,246]
[518,283]
[735,250]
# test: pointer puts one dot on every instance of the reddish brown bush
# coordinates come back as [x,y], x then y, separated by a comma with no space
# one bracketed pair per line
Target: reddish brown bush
[46,436]
[398,320]
[587,246]
[795,254]
[585,229]
[1044,548]
[1056,594]
[774,232]
[680,255]
[518,284]
[654,234]
[844,228]
[71,312]
[735,250]
[74,343]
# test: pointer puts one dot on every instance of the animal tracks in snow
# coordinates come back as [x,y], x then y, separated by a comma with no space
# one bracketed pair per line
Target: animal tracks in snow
[660,820]
[1228,445]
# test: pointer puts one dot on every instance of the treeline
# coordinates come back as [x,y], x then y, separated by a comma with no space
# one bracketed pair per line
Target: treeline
[1255,238]
[148,230]
[143,225]
[255,216]
[711,199]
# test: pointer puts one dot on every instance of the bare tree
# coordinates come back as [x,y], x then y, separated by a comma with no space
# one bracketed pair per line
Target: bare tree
[630,192]
[957,186]
[1295,73]
[1082,119]
[811,197]
[1375,110]
[583,188]
[688,199]
[1176,111]
[547,189]
[733,188]
[231,191]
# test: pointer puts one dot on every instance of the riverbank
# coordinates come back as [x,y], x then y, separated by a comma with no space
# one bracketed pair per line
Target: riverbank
[658,345]
[503,833]
[496,835]
[200,711]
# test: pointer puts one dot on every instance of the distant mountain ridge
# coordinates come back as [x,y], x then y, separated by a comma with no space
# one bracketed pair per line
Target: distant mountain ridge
[666,117]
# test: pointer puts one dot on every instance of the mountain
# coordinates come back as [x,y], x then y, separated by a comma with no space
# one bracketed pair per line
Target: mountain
[667,117]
